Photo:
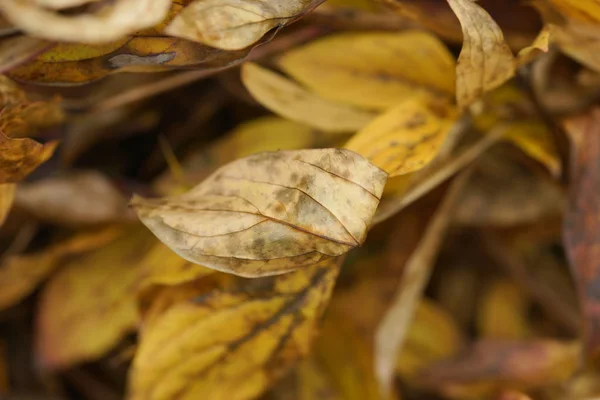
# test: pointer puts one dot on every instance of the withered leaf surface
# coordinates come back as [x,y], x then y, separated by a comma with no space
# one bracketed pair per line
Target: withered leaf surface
[230,341]
[7,196]
[235,24]
[270,213]
[485,61]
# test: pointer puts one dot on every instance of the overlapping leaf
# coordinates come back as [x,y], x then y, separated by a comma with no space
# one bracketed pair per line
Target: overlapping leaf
[234,338]
[271,212]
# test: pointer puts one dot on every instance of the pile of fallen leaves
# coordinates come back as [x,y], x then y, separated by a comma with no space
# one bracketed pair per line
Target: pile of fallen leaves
[383,200]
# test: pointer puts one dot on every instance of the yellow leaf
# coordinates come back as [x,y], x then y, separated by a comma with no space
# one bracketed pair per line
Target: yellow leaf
[90,304]
[405,138]
[139,54]
[162,266]
[583,10]
[392,330]
[20,274]
[290,100]
[432,336]
[503,312]
[485,61]
[579,41]
[535,139]
[234,24]
[348,361]
[231,341]
[19,157]
[7,196]
[270,213]
[373,70]
[62,52]
[111,22]
[539,45]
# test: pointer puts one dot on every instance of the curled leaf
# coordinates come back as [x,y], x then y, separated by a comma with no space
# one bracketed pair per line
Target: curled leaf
[405,138]
[485,61]
[539,45]
[270,213]
[230,341]
[235,24]
[113,21]
[290,100]
[373,70]
[19,157]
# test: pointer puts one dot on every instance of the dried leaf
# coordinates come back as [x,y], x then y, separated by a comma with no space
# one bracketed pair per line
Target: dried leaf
[235,24]
[27,118]
[582,226]
[539,46]
[111,22]
[19,157]
[405,138]
[373,70]
[503,311]
[90,304]
[139,54]
[84,197]
[270,213]
[19,275]
[231,341]
[490,365]
[7,196]
[505,192]
[290,100]
[485,61]
[391,332]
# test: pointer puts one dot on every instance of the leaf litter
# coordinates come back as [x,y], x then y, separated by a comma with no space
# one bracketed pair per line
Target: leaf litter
[352,200]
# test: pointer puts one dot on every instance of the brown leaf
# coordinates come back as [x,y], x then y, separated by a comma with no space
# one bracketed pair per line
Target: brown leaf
[230,341]
[17,50]
[582,225]
[27,118]
[270,213]
[90,304]
[85,197]
[113,21]
[20,274]
[292,101]
[490,365]
[235,24]
[19,157]
[485,61]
